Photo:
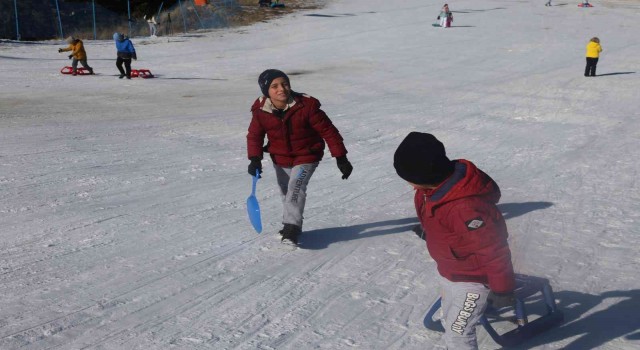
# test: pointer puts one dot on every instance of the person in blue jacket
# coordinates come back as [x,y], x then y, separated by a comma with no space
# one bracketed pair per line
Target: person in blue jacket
[126,52]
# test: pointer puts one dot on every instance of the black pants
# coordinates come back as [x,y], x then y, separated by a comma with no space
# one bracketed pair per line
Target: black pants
[590,69]
[127,65]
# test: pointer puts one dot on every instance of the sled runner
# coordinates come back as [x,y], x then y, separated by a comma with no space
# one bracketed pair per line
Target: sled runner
[141,73]
[526,287]
[79,71]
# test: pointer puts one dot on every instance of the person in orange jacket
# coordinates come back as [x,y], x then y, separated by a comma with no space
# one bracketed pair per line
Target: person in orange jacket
[593,53]
[78,54]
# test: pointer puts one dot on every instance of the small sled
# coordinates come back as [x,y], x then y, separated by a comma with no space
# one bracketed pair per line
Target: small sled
[276,5]
[526,286]
[141,73]
[436,24]
[79,71]
[585,5]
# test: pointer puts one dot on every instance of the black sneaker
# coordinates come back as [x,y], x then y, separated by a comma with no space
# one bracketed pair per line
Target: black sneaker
[121,76]
[91,71]
[290,232]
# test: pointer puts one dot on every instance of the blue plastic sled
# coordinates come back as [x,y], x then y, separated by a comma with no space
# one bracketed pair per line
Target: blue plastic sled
[526,287]
[253,207]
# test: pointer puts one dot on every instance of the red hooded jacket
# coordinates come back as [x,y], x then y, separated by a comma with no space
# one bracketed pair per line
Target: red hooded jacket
[296,138]
[465,232]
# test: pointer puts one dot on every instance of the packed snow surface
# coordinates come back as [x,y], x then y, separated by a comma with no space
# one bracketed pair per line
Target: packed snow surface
[122,203]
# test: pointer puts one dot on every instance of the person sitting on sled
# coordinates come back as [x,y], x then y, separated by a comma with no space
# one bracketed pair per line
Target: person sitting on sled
[465,232]
[297,130]
[445,17]
[78,54]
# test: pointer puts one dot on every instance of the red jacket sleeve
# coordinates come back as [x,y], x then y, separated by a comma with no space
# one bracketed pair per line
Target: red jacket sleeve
[321,123]
[255,138]
[482,232]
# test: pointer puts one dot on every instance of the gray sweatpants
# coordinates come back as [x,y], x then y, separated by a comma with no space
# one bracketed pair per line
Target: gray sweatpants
[463,303]
[74,64]
[293,187]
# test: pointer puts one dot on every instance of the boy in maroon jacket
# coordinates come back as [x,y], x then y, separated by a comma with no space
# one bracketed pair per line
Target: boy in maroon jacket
[297,130]
[465,232]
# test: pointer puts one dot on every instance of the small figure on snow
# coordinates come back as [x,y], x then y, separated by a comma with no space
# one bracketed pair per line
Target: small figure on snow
[445,17]
[296,129]
[78,54]
[548,3]
[153,25]
[126,52]
[465,232]
[585,3]
[593,53]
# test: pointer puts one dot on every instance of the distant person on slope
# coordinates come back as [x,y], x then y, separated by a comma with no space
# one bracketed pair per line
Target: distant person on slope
[548,3]
[445,17]
[296,129]
[593,53]
[126,52]
[78,54]
[465,232]
[153,25]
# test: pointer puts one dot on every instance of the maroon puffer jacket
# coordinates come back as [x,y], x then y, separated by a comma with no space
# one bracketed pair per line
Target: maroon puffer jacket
[298,138]
[465,232]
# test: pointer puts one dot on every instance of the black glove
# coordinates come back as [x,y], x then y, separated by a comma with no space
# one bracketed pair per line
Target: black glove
[70,56]
[417,229]
[345,167]
[59,50]
[256,164]
[500,300]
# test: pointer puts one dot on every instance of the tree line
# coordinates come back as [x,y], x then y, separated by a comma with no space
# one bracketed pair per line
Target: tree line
[38,19]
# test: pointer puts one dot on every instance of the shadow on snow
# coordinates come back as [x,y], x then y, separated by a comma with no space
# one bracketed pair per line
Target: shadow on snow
[322,238]
[513,210]
[618,73]
[599,326]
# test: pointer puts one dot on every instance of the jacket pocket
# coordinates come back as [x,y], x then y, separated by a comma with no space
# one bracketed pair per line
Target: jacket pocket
[466,263]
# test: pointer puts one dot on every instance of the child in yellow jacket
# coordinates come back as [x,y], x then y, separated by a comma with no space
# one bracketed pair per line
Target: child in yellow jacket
[78,54]
[593,53]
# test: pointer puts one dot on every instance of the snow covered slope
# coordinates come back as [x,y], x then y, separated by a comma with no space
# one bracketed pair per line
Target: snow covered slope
[122,218]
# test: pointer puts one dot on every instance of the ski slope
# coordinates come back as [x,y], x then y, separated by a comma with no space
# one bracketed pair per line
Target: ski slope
[122,203]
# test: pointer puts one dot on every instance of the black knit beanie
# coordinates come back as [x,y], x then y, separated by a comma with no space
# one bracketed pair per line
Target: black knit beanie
[422,159]
[268,76]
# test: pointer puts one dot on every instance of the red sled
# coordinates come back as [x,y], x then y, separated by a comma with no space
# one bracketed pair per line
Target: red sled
[141,73]
[585,5]
[79,71]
